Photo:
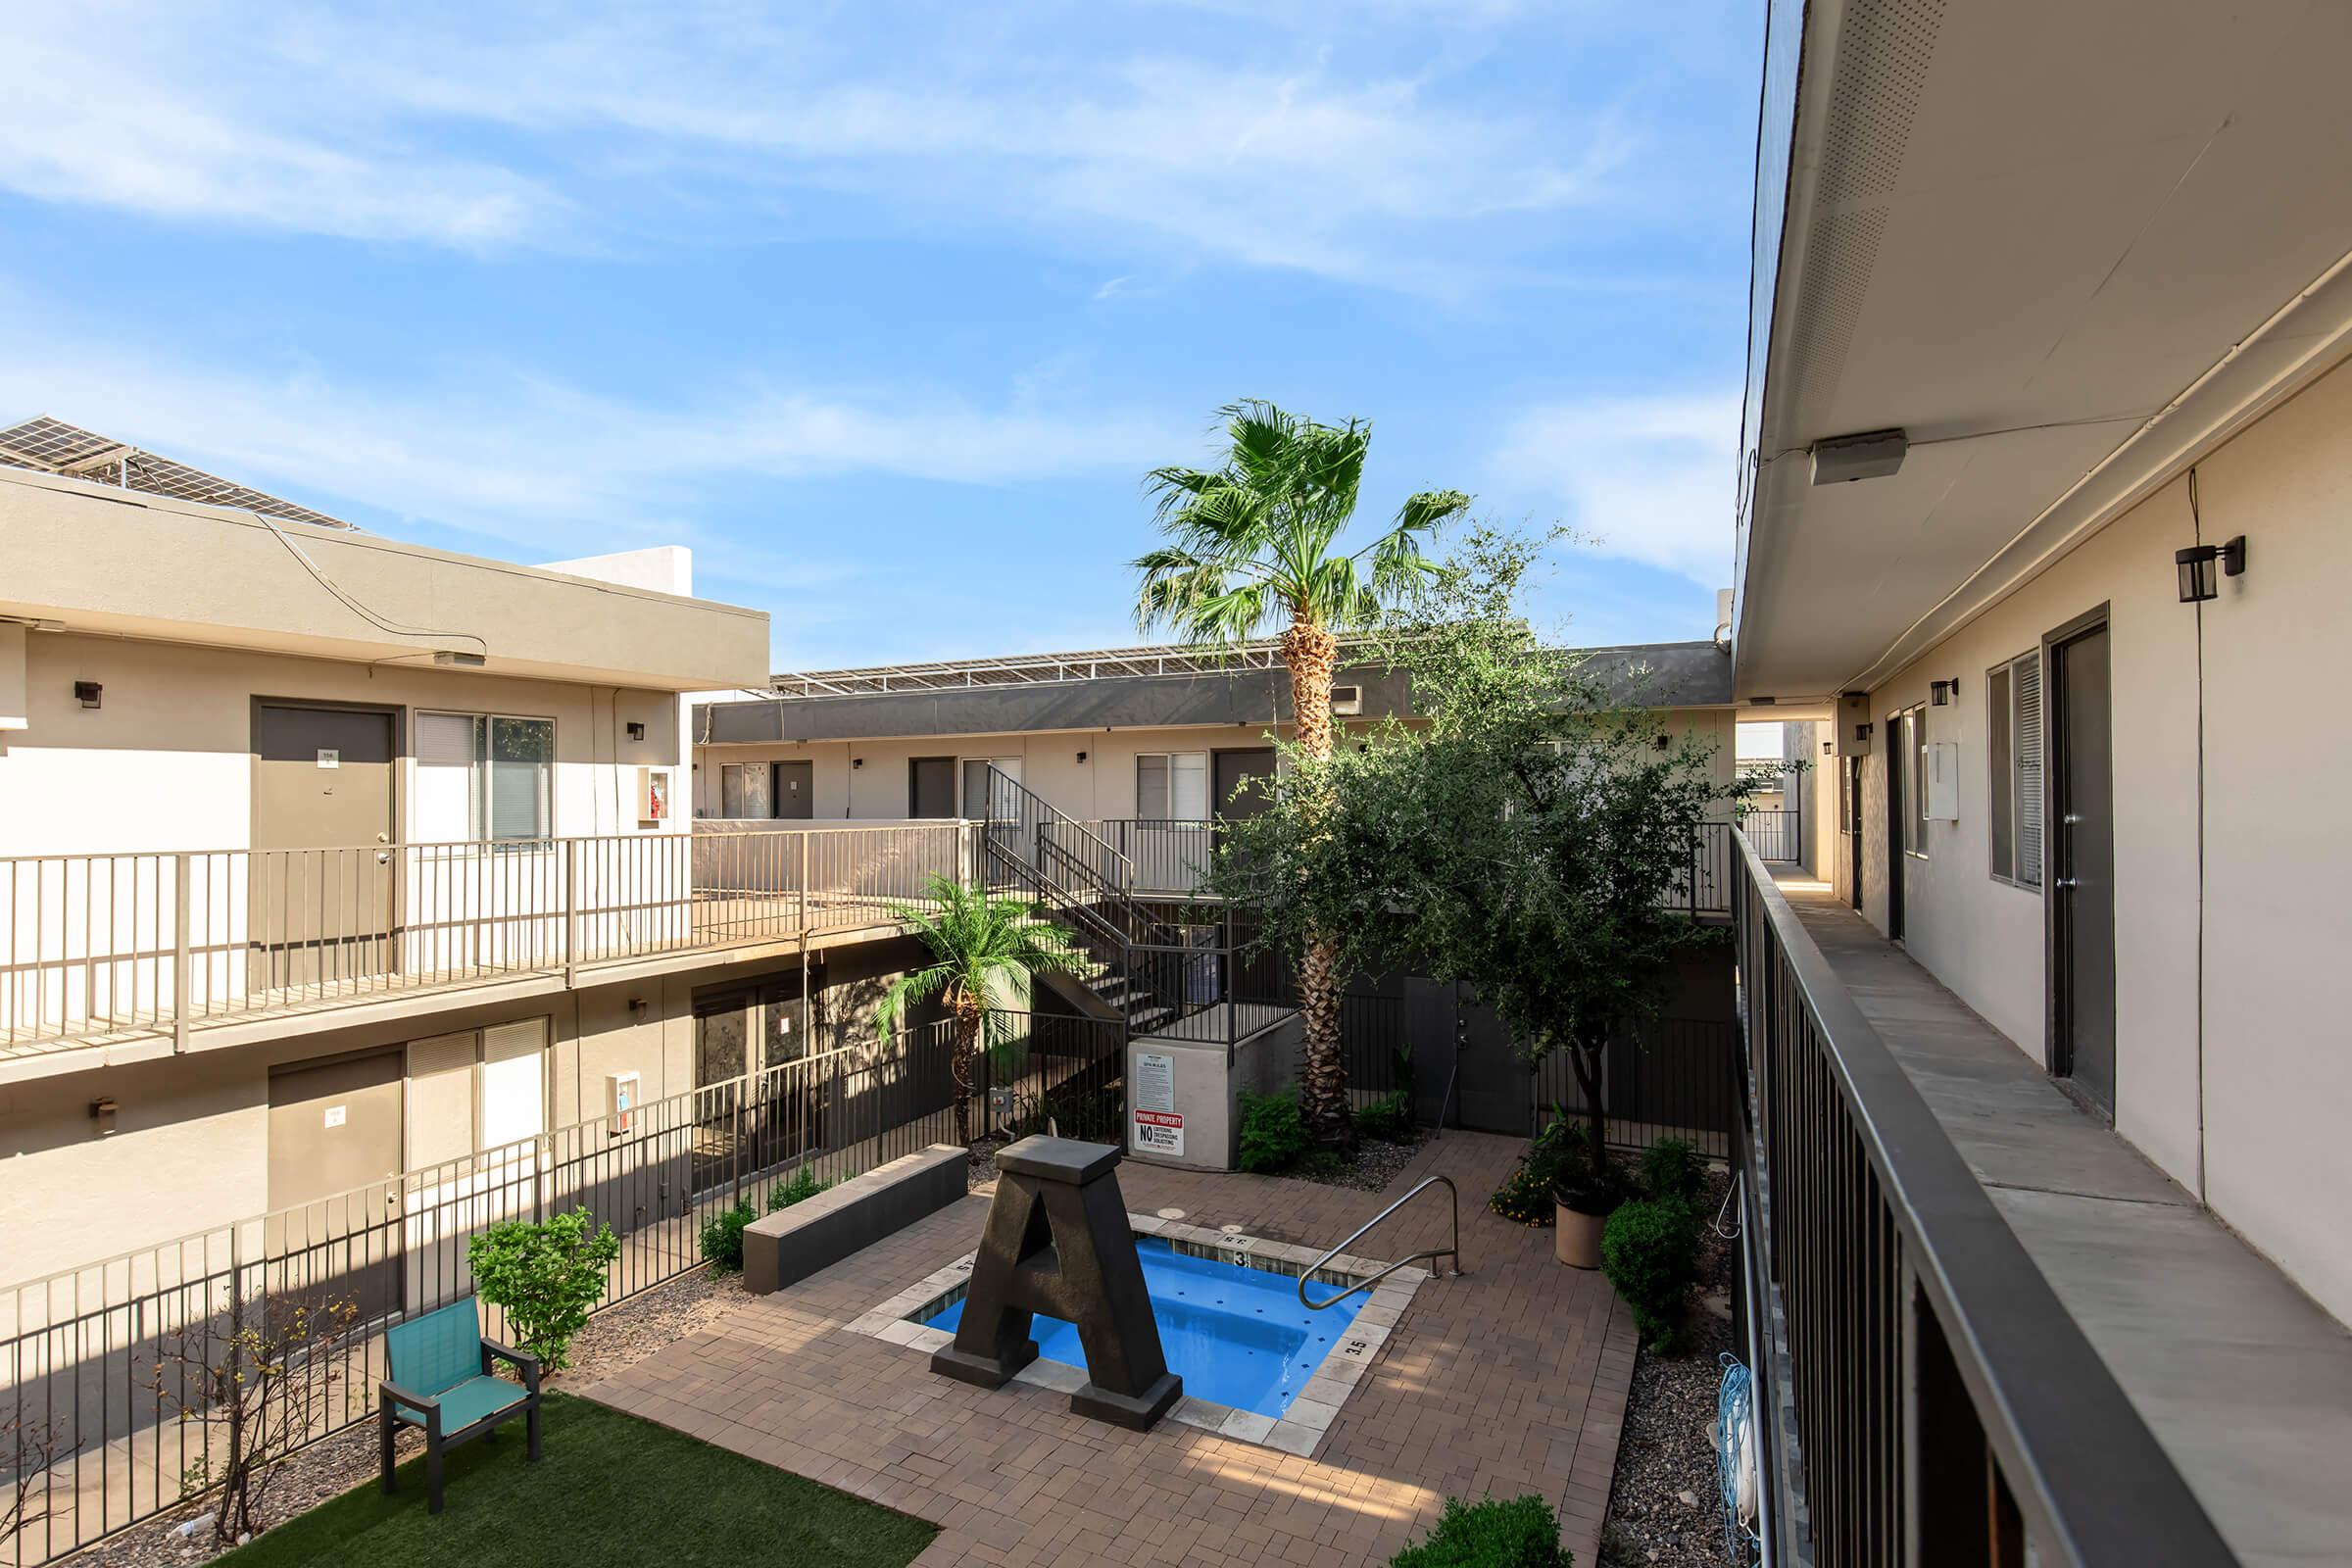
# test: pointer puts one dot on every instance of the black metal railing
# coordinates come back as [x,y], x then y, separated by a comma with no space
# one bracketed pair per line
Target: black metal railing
[1923,1396]
[1774,831]
[95,1361]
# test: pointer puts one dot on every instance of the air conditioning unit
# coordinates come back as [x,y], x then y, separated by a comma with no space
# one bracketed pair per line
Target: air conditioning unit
[1347,701]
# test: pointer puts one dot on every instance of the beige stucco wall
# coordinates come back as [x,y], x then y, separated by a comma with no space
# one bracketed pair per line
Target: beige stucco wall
[165,762]
[2252,995]
[1100,787]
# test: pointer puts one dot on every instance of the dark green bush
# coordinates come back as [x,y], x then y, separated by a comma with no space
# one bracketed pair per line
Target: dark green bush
[1650,1254]
[722,1236]
[1672,1167]
[1525,1198]
[1553,1156]
[1389,1117]
[1273,1133]
[797,1188]
[1519,1534]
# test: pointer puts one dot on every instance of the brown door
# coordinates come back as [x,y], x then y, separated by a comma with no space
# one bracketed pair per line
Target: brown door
[795,790]
[1254,767]
[2083,863]
[324,875]
[931,786]
[334,1228]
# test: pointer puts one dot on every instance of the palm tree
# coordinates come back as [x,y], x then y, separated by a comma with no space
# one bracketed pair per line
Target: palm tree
[1253,548]
[983,949]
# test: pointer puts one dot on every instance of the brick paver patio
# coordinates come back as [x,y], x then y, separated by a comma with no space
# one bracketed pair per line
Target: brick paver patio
[1510,1379]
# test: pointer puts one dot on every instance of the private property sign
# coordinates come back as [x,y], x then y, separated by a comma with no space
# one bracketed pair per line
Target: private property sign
[1159,1132]
[1158,1124]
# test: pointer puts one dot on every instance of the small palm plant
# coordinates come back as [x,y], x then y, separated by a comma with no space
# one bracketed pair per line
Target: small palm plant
[1254,547]
[983,950]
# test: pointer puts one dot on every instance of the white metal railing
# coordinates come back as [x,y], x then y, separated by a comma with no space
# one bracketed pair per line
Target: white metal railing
[97,946]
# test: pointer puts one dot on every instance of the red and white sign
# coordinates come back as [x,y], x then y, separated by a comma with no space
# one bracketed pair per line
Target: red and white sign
[1159,1132]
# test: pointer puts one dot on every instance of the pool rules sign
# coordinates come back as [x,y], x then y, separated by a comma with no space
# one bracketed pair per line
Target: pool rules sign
[1158,1126]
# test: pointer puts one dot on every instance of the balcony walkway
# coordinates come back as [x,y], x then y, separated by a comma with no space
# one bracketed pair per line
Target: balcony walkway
[1510,1379]
[2243,1377]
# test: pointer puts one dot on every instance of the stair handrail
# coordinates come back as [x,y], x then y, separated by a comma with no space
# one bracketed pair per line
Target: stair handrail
[1453,1252]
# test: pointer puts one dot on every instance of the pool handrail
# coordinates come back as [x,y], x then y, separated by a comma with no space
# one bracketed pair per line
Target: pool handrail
[1453,1252]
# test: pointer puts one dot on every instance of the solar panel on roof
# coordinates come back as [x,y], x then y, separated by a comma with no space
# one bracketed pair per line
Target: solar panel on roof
[45,445]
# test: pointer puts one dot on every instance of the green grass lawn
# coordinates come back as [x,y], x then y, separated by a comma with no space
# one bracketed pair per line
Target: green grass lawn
[612,1489]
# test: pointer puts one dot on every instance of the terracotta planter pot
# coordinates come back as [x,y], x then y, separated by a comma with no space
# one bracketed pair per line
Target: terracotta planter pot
[1576,1238]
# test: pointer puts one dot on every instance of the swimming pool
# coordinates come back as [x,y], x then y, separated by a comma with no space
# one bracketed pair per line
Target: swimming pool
[1237,1336]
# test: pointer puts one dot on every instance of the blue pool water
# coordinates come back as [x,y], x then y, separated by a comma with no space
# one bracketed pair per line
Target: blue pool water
[1237,1335]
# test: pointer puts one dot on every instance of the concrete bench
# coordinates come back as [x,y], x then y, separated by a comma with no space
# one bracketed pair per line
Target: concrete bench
[792,1243]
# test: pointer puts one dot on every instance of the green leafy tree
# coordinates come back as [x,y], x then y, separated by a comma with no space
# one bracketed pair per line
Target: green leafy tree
[1254,548]
[546,1276]
[983,949]
[1526,840]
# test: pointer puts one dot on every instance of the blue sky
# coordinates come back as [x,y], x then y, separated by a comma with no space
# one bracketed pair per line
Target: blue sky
[885,310]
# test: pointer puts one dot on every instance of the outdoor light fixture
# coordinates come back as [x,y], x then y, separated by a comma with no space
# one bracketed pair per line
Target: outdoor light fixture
[636,732]
[102,1111]
[2202,567]
[856,763]
[1082,756]
[1942,692]
[1862,732]
[86,693]
[1870,455]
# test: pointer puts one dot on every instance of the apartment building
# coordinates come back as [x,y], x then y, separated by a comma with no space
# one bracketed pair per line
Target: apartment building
[2048,450]
[325,856]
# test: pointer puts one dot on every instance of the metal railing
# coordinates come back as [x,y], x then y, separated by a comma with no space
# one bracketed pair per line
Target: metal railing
[96,1358]
[95,946]
[1452,1249]
[1169,857]
[1921,1392]
[1774,831]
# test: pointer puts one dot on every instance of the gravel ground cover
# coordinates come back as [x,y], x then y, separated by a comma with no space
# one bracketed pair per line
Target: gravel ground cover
[1663,1504]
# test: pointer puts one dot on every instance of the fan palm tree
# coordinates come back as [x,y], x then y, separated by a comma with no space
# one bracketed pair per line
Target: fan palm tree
[1254,548]
[983,949]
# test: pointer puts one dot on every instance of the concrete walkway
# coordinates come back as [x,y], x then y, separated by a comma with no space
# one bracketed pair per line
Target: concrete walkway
[1511,1379]
[2243,1379]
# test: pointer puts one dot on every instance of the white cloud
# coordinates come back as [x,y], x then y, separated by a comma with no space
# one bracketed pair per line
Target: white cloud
[1645,478]
[538,465]
[586,130]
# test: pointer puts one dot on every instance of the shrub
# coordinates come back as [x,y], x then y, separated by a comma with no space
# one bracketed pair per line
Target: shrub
[1650,1254]
[1389,1117]
[1671,1167]
[797,1188]
[547,1277]
[1554,1155]
[722,1236]
[1519,1534]
[1526,1197]
[1273,1133]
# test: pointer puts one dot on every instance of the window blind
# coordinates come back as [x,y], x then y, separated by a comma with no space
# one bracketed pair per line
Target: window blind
[2025,674]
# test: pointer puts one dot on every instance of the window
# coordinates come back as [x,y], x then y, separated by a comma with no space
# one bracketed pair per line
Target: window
[483,776]
[977,806]
[1171,786]
[743,789]
[2013,704]
[480,1089]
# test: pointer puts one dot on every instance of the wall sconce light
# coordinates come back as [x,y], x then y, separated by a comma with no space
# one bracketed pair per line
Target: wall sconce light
[856,762]
[1942,692]
[1862,731]
[638,1006]
[1082,756]
[2201,569]
[102,1111]
[86,693]
[636,732]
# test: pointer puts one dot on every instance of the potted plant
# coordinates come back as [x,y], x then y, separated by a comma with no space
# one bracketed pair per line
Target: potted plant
[1583,1198]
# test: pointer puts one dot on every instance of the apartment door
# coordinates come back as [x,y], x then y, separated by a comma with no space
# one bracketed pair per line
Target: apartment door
[1853,830]
[1252,767]
[333,1234]
[2081,905]
[931,786]
[796,791]
[1898,817]
[323,877]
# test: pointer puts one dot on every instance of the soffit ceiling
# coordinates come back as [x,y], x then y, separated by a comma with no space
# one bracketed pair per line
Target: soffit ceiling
[2007,214]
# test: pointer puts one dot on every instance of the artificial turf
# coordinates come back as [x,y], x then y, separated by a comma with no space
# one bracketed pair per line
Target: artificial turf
[611,1489]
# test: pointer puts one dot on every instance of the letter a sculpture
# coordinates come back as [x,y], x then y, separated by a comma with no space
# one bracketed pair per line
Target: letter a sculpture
[1058,1242]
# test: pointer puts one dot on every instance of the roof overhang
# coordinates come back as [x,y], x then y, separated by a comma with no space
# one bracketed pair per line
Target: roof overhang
[2066,250]
[91,558]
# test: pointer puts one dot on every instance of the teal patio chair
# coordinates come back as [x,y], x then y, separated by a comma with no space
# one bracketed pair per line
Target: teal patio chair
[440,1379]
